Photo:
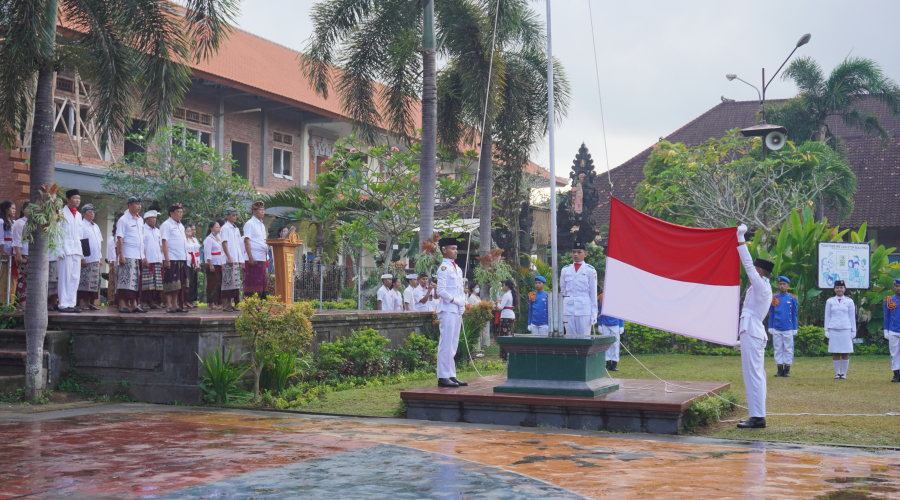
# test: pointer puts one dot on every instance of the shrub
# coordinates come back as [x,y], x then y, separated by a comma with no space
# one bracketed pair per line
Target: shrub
[219,384]
[344,304]
[810,341]
[418,353]
[645,340]
[364,352]
[278,367]
[703,412]
[474,320]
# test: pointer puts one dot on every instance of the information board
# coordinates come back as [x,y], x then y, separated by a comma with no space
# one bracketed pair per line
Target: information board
[843,261]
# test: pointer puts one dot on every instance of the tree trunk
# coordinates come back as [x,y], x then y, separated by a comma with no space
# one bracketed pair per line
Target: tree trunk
[388,253]
[485,199]
[428,165]
[320,242]
[42,158]
[819,214]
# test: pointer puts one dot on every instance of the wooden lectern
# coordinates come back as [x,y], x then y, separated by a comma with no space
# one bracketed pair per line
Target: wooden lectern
[283,252]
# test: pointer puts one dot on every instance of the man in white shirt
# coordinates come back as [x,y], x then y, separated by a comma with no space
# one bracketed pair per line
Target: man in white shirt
[20,250]
[384,297]
[89,283]
[70,256]
[578,283]
[424,295]
[233,247]
[152,286]
[174,253]
[408,299]
[131,258]
[753,338]
[256,280]
[450,309]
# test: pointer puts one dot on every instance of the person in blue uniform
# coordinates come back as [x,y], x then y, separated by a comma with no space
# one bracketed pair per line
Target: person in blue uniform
[892,328]
[783,326]
[538,308]
[610,326]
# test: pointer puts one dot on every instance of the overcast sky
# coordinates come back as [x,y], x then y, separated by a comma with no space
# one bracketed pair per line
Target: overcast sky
[663,64]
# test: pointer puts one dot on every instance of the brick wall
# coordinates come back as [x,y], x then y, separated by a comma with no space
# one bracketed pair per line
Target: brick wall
[14,176]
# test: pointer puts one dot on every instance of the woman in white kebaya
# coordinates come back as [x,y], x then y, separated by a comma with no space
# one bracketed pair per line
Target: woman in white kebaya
[840,328]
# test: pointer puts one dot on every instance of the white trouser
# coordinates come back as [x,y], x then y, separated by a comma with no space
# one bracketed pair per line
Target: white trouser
[540,329]
[753,351]
[783,343]
[612,354]
[577,325]
[449,324]
[69,270]
[894,343]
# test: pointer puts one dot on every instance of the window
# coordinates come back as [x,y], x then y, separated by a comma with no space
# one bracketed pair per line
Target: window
[281,163]
[192,116]
[241,154]
[68,119]
[285,139]
[133,146]
[65,85]
[202,137]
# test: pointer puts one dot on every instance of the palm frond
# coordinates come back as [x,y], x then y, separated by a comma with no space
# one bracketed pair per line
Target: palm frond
[209,24]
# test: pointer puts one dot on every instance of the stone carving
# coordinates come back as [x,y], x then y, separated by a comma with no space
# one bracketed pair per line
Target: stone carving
[574,216]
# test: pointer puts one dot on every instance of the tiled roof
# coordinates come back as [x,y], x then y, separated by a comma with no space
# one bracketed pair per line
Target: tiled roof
[877,199]
[535,169]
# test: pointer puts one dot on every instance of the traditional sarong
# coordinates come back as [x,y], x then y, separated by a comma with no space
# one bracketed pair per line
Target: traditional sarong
[174,277]
[89,283]
[53,280]
[129,279]
[506,327]
[22,282]
[152,283]
[111,286]
[7,275]
[255,278]
[192,274]
[231,281]
[213,284]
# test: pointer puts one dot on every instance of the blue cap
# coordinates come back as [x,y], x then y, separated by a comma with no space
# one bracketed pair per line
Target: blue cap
[783,278]
[544,280]
[897,281]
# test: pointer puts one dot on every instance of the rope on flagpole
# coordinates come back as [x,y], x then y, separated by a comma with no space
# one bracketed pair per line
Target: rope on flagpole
[600,95]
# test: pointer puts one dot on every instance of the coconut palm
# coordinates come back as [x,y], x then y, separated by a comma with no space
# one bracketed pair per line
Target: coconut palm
[132,51]
[843,93]
[373,44]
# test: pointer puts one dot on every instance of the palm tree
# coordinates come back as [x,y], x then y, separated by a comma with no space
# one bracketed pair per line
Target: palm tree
[842,94]
[373,41]
[133,51]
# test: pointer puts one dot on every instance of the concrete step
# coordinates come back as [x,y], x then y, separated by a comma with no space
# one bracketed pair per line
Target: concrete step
[12,339]
[11,383]
[12,361]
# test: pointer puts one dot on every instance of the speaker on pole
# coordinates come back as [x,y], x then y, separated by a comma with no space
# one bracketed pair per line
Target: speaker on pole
[775,140]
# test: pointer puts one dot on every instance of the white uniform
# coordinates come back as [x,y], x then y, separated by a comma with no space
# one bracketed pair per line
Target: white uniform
[753,335]
[418,305]
[70,255]
[579,290]
[408,297]
[450,307]
[387,299]
[840,324]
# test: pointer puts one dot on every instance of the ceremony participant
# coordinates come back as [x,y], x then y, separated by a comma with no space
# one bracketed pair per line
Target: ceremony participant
[539,308]
[89,283]
[233,248]
[610,326]
[193,265]
[174,253]
[783,326]
[578,283]
[752,335]
[131,258]
[507,307]
[71,256]
[892,328]
[20,249]
[450,308]
[840,328]
[7,258]
[256,280]
[111,260]
[215,259]
[473,298]
[384,299]
[424,294]
[398,297]
[152,277]
[408,299]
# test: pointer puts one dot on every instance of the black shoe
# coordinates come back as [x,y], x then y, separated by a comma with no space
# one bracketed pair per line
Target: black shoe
[780,371]
[68,310]
[613,366]
[458,382]
[896,376]
[77,309]
[607,365]
[787,371]
[446,382]
[753,423]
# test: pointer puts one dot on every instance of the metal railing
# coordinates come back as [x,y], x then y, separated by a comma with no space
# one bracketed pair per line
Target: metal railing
[334,283]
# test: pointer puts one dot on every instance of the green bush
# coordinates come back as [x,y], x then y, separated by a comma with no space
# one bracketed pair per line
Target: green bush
[278,367]
[645,340]
[345,304]
[418,353]
[219,384]
[363,352]
[810,341]
[703,412]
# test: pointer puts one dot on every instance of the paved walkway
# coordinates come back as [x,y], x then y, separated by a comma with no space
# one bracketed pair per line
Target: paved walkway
[135,451]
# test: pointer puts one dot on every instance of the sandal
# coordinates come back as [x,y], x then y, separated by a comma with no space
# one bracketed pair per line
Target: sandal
[139,310]
[125,310]
[92,307]
[170,310]
[182,310]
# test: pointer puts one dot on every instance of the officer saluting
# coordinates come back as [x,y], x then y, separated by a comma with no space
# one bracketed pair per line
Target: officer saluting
[538,314]
[578,283]
[783,326]
[450,308]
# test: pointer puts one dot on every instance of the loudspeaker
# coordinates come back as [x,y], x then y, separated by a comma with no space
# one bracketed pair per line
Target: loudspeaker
[775,141]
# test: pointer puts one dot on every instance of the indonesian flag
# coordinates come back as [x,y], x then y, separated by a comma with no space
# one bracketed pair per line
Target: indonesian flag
[674,278]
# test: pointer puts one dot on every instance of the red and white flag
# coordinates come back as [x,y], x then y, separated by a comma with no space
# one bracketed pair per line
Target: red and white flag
[674,278]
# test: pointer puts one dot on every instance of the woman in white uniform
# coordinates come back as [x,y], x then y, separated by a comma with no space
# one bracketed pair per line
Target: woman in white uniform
[840,328]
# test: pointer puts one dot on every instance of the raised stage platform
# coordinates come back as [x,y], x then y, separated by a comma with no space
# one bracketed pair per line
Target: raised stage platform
[638,406]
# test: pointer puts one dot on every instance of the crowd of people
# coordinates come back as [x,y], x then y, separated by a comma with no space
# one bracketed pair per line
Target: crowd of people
[150,265]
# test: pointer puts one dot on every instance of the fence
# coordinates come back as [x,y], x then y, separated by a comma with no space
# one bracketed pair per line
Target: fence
[333,283]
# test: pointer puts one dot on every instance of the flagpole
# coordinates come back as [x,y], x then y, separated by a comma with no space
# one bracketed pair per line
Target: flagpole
[555,309]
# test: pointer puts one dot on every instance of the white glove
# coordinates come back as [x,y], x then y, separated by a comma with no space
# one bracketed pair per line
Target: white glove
[741,230]
[593,320]
[826,335]
[793,332]
[458,301]
[737,345]
[885,333]
[531,329]
[770,331]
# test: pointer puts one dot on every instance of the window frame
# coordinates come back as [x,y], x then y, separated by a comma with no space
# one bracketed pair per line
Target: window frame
[279,153]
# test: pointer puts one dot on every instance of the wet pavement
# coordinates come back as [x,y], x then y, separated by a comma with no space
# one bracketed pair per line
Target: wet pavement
[135,451]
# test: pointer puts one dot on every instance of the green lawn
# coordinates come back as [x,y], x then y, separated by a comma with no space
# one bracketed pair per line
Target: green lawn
[810,389]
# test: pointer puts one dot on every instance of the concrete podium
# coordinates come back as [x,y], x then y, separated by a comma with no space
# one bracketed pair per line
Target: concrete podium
[557,366]
[283,253]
